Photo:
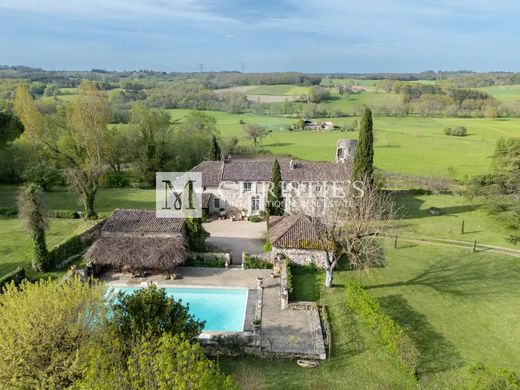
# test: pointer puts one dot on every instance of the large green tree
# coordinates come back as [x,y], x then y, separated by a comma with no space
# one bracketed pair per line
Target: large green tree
[152,141]
[44,327]
[32,213]
[149,311]
[274,204]
[363,166]
[164,363]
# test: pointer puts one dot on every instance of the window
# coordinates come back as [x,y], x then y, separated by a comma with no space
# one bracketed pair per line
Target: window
[255,203]
[216,203]
[247,186]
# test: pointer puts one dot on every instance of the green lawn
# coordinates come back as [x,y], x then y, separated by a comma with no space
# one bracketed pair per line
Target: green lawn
[478,224]
[16,244]
[459,308]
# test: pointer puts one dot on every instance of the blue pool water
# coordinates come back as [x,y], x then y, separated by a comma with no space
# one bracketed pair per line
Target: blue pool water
[222,309]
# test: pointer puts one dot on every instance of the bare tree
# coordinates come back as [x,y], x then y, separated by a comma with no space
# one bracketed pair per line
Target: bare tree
[351,224]
[255,132]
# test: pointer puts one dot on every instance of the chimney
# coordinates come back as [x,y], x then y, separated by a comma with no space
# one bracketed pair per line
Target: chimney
[291,165]
[345,150]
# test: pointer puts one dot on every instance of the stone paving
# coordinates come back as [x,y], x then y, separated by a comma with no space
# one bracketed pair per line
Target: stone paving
[283,332]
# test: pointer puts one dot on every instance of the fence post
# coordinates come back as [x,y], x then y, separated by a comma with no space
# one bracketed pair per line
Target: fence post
[475,246]
[462,228]
[395,242]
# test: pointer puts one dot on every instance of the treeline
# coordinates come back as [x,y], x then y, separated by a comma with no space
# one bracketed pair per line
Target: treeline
[435,99]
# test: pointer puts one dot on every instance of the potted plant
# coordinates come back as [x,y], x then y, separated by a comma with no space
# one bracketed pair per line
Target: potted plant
[243,213]
[260,282]
[222,212]
[256,324]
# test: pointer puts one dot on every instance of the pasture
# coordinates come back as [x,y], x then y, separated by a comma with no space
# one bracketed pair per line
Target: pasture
[410,145]
[505,93]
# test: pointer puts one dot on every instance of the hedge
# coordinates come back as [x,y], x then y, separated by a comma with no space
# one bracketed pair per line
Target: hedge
[400,347]
[16,275]
[199,261]
[65,214]
[251,262]
[8,211]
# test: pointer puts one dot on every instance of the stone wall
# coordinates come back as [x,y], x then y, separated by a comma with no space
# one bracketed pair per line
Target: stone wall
[303,256]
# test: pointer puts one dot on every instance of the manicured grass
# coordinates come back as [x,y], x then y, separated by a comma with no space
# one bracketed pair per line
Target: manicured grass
[357,362]
[16,245]
[478,224]
[459,308]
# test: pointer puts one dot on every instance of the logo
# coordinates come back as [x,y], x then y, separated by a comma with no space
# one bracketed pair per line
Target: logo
[178,194]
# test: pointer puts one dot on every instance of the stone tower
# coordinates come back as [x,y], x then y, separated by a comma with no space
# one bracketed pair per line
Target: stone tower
[345,150]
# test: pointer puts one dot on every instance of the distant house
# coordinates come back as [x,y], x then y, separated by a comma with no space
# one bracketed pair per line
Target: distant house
[242,184]
[136,240]
[299,238]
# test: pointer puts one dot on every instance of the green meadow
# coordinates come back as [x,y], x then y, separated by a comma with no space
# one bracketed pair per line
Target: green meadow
[279,90]
[410,145]
[505,93]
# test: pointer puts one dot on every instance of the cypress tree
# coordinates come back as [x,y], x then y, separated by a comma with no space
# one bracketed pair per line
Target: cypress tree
[274,204]
[214,150]
[364,158]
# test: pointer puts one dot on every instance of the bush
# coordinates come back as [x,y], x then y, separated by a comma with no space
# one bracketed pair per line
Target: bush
[116,179]
[16,275]
[459,131]
[251,262]
[267,247]
[200,261]
[299,269]
[392,336]
[289,276]
[65,214]
[8,211]
[484,378]
[255,218]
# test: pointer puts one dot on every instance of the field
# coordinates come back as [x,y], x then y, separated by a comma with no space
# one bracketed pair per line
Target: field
[505,93]
[411,145]
[277,90]
[458,307]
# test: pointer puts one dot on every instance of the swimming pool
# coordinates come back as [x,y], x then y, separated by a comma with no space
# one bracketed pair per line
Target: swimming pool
[223,309]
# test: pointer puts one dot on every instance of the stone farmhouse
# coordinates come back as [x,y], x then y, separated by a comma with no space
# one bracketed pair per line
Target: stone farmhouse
[236,185]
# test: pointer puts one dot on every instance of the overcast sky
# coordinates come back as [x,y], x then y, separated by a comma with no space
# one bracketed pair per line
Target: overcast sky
[262,35]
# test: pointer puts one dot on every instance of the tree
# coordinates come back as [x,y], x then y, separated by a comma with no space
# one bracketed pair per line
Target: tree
[152,141]
[214,150]
[193,139]
[149,311]
[318,94]
[363,160]
[44,327]
[351,226]
[196,234]
[32,213]
[75,138]
[166,362]
[274,204]
[10,128]
[255,132]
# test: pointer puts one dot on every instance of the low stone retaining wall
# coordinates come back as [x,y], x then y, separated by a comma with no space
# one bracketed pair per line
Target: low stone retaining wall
[302,256]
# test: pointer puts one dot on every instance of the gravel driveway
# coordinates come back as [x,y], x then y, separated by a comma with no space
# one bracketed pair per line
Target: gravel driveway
[235,237]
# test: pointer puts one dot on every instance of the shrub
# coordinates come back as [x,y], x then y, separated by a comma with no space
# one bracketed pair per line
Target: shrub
[255,218]
[200,261]
[392,336]
[483,378]
[8,211]
[65,214]
[116,179]
[267,247]
[289,276]
[459,131]
[251,262]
